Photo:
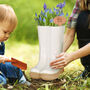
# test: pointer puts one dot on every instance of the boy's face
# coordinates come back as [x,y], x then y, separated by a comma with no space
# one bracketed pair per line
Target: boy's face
[5,31]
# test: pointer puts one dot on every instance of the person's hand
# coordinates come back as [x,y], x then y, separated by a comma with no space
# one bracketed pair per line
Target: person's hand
[61,62]
[3,59]
[59,20]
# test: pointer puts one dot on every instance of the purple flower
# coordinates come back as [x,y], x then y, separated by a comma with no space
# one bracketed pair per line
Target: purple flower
[36,14]
[44,20]
[51,20]
[66,14]
[45,6]
[46,10]
[57,13]
[54,9]
[50,11]
[40,18]
[45,15]
[42,13]
[57,10]
[62,14]
[60,5]
[63,4]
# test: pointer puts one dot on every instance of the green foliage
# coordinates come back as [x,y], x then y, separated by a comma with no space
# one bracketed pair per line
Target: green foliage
[25,11]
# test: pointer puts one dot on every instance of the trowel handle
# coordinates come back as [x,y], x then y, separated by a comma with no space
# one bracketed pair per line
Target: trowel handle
[8,60]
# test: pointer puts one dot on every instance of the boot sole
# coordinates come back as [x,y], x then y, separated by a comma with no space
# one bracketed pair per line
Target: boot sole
[51,76]
[34,75]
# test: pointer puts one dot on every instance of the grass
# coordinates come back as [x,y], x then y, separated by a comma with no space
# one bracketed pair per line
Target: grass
[30,54]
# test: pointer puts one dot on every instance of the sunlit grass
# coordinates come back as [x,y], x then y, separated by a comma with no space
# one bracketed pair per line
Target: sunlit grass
[30,54]
[24,52]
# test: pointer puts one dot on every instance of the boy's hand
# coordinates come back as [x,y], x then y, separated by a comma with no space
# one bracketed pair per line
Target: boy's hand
[3,59]
[59,20]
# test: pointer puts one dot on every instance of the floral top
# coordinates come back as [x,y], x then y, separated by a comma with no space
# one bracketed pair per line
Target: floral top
[73,18]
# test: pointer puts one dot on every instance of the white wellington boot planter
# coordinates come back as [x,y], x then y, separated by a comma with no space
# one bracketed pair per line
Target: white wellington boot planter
[50,45]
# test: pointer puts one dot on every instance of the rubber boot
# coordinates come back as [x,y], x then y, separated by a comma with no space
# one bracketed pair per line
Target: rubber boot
[50,45]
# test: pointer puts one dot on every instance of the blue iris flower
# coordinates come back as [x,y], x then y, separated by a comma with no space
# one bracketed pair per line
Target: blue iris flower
[44,20]
[45,6]
[63,4]
[40,18]
[45,15]
[62,14]
[50,11]
[57,13]
[51,20]
[42,13]
[60,6]
[46,10]
[54,9]
[66,14]
[36,14]
[57,10]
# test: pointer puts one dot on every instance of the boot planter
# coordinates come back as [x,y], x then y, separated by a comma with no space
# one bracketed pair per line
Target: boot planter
[50,45]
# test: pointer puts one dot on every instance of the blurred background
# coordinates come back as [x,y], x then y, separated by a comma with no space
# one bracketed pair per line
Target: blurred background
[23,43]
[26,30]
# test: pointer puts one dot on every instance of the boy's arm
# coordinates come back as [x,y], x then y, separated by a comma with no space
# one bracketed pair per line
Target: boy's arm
[4,58]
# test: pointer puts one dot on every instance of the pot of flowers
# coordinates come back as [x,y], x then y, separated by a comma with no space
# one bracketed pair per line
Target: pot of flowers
[50,42]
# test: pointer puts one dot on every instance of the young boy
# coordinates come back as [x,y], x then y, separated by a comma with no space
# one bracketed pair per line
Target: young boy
[8,22]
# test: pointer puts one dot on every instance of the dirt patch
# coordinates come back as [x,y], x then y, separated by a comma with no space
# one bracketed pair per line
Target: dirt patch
[42,83]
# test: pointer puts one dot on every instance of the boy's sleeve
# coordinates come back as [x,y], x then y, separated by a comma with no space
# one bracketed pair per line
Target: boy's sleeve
[73,18]
[2,48]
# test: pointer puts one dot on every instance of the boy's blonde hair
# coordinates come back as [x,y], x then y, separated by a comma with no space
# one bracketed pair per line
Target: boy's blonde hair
[8,16]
